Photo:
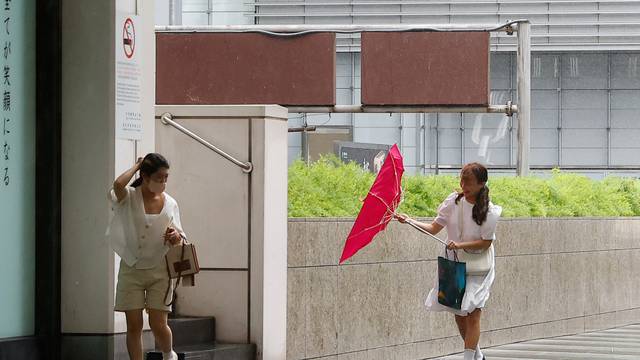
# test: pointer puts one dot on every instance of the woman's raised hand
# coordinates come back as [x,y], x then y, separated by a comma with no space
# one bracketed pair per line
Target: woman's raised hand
[403,218]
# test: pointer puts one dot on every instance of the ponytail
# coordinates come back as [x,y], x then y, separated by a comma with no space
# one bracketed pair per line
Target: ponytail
[137,182]
[481,207]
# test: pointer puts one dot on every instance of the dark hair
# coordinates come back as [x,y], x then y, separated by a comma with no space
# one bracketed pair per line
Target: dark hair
[481,207]
[152,162]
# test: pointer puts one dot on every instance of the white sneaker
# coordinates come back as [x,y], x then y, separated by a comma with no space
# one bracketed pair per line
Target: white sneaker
[170,356]
[469,354]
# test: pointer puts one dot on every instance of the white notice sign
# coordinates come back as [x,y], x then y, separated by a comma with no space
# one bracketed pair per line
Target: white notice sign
[128,79]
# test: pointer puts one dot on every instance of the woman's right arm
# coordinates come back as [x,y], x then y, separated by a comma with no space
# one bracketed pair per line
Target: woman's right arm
[120,184]
[444,213]
[432,228]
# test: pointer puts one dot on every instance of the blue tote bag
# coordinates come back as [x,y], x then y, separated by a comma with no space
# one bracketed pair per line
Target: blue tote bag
[451,281]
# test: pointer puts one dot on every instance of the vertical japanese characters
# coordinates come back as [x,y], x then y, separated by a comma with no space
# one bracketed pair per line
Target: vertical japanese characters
[5,164]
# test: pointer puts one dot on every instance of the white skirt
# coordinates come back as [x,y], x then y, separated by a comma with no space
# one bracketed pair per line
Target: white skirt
[475,296]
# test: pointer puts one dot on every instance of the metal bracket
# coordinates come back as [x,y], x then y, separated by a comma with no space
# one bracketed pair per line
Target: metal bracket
[510,108]
[509,29]
[302,129]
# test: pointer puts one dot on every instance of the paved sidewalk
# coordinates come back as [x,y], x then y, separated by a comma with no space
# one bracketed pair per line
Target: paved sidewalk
[613,344]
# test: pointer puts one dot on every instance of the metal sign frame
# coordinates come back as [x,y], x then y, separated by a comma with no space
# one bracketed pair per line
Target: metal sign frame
[522,107]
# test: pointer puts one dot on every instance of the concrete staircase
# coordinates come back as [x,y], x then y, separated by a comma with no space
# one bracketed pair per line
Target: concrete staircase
[195,339]
[613,344]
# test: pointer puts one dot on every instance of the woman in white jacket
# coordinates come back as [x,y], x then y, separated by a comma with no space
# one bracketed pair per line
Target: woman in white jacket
[145,223]
[479,217]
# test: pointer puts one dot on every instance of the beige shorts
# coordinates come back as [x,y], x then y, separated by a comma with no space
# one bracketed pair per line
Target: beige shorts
[142,288]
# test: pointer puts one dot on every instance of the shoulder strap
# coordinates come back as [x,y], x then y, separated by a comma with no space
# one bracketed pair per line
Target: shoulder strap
[173,294]
[460,219]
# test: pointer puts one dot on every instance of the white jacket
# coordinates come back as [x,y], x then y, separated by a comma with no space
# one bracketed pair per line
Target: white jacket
[137,240]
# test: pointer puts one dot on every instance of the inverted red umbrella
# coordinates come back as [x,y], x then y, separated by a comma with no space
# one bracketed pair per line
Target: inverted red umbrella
[379,205]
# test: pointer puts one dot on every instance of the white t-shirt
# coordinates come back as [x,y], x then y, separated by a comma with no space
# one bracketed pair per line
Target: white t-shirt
[136,237]
[448,217]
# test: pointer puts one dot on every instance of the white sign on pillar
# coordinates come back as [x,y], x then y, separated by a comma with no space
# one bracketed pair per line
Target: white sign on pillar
[128,78]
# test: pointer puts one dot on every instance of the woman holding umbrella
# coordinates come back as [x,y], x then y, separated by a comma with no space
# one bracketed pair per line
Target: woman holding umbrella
[470,219]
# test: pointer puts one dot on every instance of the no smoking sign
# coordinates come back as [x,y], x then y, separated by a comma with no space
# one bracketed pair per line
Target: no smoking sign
[128,38]
[128,79]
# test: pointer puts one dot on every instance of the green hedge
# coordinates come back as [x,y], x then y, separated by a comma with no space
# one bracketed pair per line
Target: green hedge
[329,188]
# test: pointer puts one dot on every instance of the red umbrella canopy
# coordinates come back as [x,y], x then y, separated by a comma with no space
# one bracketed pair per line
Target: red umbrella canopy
[379,205]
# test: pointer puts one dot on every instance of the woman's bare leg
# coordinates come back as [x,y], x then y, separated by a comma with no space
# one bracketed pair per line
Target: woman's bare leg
[160,329]
[134,334]
[472,330]
[461,321]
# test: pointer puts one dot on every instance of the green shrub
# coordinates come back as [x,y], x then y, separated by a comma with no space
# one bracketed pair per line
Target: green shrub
[330,188]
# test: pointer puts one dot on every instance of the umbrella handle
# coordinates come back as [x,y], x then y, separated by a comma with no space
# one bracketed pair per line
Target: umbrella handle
[410,222]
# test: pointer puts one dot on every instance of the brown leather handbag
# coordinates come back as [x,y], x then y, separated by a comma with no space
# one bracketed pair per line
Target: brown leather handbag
[182,262]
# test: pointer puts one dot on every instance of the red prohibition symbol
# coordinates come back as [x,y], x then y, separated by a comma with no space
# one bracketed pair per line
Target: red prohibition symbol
[129,38]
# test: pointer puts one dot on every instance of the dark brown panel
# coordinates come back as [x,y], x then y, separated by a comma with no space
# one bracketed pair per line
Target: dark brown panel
[425,68]
[238,68]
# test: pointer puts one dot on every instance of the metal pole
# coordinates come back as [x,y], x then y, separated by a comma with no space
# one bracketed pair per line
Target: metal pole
[401,128]
[353,96]
[501,109]
[462,147]
[425,132]
[418,134]
[560,100]
[305,141]
[175,12]
[511,96]
[292,30]
[167,119]
[171,12]
[524,97]
[608,111]
[437,144]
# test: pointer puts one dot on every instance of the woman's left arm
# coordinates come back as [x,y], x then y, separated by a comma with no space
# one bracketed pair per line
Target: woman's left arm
[470,245]
[487,233]
[178,224]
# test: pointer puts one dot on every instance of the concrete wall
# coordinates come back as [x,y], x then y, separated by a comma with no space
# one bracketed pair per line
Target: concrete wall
[554,277]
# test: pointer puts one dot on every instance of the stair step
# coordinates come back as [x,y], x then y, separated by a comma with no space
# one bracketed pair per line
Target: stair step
[193,330]
[210,352]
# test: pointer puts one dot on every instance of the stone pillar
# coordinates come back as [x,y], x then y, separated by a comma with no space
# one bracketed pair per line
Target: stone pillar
[237,220]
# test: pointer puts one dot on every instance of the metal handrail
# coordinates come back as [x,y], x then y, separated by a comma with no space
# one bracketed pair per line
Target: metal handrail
[167,119]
